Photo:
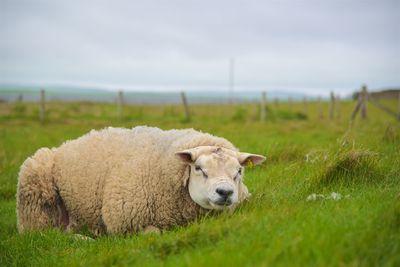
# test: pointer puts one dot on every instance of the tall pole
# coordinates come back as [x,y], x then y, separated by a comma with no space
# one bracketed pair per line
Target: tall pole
[231,79]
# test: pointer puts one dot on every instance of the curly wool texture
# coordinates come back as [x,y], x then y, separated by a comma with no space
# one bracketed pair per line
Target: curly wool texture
[114,181]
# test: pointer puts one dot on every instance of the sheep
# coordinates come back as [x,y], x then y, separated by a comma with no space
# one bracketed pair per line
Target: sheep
[120,181]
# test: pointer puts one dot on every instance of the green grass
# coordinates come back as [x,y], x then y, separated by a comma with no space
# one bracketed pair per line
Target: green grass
[277,227]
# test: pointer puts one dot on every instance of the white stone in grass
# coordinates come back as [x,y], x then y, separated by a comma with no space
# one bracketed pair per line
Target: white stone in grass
[314,197]
[335,196]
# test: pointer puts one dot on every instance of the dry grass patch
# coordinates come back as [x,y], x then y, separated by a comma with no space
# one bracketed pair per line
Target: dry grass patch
[351,167]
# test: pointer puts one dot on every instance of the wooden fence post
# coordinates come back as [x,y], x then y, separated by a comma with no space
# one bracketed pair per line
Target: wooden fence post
[356,109]
[42,106]
[276,102]
[338,106]
[120,105]
[263,106]
[398,111]
[320,109]
[185,106]
[361,103]
[364,100]
[305,105]
[332,106]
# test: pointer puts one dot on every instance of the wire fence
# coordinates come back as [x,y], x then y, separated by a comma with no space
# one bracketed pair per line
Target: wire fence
[261,99]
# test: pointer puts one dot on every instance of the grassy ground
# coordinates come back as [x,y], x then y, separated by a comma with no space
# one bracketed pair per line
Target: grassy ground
[277,227]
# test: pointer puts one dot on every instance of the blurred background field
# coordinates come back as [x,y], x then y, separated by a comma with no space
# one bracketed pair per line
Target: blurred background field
[277,109]
[281,225]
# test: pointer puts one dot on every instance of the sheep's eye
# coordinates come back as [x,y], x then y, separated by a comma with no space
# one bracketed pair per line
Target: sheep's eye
[197,168]
[238,174]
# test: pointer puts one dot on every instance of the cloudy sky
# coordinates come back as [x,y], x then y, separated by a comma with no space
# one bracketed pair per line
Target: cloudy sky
[312,46]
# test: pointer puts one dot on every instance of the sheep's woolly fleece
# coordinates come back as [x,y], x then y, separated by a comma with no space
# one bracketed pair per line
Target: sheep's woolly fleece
[113,181]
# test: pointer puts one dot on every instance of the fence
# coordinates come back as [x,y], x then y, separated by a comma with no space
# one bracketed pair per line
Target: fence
[122,98]
[363,98]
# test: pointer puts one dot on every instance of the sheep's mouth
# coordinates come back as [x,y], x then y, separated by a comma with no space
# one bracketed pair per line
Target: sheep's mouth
[220,204]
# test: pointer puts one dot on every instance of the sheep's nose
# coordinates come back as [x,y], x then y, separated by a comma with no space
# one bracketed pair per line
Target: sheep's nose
[224,192]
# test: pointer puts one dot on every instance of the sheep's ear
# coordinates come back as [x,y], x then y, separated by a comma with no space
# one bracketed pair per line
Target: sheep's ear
[187,156]
[247,159]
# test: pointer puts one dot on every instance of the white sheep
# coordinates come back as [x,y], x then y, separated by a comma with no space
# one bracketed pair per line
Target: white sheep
[127,180]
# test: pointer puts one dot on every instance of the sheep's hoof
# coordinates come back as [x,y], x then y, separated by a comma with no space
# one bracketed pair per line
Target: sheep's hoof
[151,230]
[82,237]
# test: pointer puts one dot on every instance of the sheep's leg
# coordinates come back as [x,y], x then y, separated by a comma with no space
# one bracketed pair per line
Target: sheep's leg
[63,217]
[36,195]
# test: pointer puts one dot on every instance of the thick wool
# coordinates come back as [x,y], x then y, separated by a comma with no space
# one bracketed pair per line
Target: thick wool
[112,181]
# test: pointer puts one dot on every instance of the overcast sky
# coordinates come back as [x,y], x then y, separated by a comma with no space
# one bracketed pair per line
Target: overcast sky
[312,46]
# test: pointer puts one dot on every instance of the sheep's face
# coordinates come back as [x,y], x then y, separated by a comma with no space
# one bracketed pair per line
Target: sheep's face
[216,175]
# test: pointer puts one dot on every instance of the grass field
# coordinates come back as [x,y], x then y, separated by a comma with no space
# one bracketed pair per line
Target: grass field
[277,227]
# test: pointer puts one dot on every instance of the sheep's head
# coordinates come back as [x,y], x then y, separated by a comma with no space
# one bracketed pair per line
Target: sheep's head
[216,175]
